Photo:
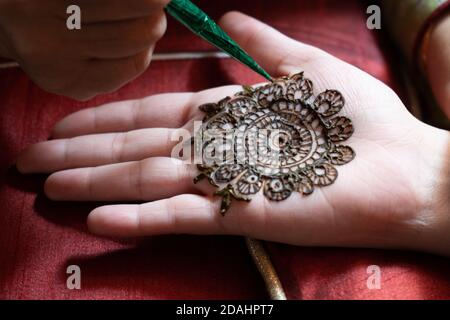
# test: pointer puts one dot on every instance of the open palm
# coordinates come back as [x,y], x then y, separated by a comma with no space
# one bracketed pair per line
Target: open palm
[121,152]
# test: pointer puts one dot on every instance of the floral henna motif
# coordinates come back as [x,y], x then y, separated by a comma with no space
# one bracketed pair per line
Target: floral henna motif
[276,139]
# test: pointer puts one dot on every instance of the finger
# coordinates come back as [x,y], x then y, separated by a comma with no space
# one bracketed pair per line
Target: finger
[121,39]
[107,75]
[185,213]
[163,110]
[148,179]
[115,10]
[197,214]
[171,110]
[285,221]
[96,149]
[255,37]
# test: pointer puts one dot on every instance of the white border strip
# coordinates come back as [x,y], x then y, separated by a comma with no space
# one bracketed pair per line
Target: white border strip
[158,57]
[7,65]
[189,55]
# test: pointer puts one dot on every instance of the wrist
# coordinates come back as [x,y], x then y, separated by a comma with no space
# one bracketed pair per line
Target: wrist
[432,232]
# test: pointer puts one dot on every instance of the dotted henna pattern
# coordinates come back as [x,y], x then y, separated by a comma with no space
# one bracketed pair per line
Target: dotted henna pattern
[276,139]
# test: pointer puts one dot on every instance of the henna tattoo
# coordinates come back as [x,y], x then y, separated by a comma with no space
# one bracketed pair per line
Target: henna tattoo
[278,138]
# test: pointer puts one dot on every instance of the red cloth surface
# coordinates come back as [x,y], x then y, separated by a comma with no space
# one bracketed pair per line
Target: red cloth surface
[39,238]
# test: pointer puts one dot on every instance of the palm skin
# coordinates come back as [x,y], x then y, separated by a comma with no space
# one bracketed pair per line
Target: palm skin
[386,197]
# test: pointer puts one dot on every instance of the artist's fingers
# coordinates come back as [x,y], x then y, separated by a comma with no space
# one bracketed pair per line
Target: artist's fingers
[148,179]
[96,149]
[122,38]
[108,75]
[170,110]
[275,52]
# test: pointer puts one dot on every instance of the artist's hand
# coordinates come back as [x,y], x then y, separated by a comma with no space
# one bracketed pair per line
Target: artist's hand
[114,45]
[394,194]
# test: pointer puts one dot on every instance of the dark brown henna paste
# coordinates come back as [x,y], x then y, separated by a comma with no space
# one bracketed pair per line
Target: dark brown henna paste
[278,139]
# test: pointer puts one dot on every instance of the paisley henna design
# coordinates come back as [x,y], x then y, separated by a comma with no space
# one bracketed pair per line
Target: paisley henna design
[279,139]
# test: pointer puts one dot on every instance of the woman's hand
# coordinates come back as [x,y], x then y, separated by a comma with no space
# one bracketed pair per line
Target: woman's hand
[115,43]
[394,194]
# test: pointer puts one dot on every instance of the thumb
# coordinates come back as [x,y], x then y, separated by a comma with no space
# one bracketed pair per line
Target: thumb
[275,52]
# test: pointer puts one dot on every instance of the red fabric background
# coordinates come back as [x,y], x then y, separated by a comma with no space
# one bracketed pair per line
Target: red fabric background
[40,238]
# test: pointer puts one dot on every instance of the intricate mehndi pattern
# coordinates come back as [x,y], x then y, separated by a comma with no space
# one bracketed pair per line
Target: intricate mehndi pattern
[277,139]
